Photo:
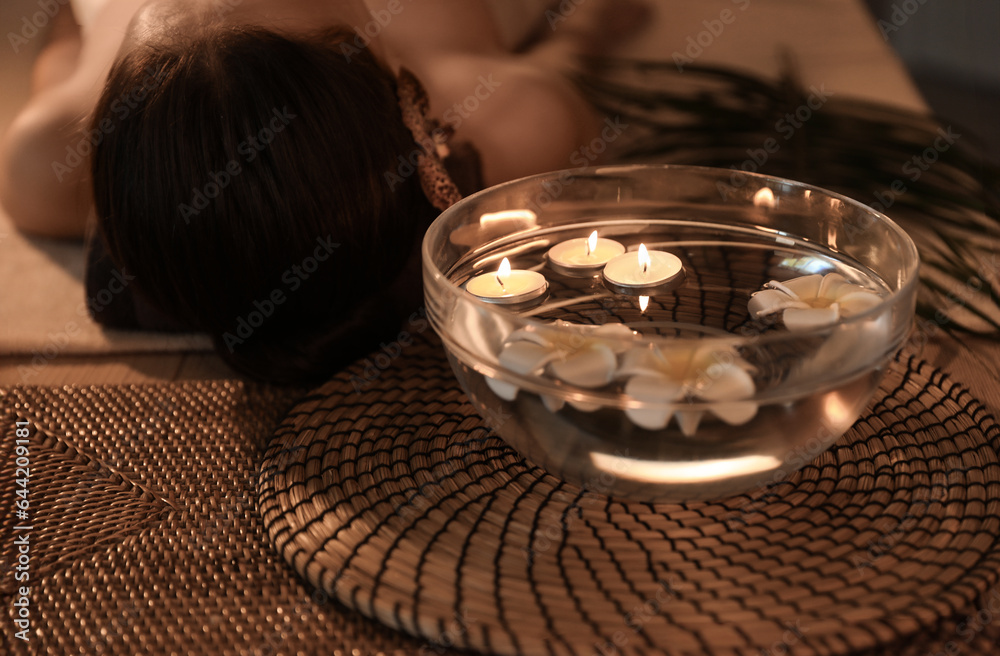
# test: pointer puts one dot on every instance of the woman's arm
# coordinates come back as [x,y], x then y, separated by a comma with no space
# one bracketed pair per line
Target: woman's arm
[36,199]
[44,155]
[42,169]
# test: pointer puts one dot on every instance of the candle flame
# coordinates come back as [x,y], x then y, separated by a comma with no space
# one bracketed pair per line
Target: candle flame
[503,272]
[592,243]
[643,303]
[644,260]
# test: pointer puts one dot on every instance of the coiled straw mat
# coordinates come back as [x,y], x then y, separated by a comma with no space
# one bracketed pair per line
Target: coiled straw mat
[394,497]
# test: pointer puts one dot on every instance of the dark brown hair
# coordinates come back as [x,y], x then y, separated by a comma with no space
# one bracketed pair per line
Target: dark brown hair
[235,154]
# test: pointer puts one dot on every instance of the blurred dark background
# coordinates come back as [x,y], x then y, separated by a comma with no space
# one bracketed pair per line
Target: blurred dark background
[952,51]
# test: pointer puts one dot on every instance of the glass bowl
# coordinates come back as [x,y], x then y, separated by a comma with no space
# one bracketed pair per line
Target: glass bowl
[735,372]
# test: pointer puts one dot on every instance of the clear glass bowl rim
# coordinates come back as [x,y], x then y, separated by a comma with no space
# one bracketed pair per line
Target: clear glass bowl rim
[909,271]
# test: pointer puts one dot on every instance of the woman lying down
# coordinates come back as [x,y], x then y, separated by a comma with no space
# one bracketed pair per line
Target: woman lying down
[219,144]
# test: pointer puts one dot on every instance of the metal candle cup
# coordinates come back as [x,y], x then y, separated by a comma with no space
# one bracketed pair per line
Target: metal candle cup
[508,286]
[583,256]
[643,271]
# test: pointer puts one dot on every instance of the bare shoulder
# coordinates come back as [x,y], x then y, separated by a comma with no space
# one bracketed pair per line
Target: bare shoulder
[522,119]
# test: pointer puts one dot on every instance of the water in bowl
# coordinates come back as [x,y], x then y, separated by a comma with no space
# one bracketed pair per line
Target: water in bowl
[808,388]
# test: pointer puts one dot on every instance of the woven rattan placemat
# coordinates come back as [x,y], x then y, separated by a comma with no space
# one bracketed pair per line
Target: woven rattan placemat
[144,533]
[392,496]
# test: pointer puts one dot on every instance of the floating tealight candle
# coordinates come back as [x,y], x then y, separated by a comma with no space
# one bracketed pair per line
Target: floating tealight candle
[643,269]
[508,286]
[584,256]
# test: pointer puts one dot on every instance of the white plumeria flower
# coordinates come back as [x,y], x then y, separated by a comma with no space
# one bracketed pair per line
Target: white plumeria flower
[812,301]
[817,301]
[706,374]
[583,356]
